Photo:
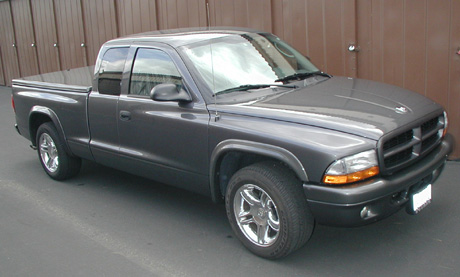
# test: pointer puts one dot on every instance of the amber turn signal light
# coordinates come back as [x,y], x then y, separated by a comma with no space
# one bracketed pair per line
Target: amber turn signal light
[352,177]
[446,124]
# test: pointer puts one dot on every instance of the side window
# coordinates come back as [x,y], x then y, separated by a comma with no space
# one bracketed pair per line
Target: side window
[111,71]
[152,67]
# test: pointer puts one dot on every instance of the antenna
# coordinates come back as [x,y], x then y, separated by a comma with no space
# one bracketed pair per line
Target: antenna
[217,116]
[207,15]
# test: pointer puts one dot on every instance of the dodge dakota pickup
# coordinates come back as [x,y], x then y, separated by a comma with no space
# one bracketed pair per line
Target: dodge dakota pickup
[242,117]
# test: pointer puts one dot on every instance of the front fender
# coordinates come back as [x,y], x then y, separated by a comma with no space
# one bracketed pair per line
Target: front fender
[261,149]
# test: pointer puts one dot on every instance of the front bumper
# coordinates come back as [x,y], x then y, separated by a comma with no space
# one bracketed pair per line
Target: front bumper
[372,200]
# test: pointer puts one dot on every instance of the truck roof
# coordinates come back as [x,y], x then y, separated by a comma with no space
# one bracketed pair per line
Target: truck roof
[183,36]
[80,79]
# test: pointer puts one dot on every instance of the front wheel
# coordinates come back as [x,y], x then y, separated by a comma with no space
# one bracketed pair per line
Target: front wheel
[55,161]
[267,210]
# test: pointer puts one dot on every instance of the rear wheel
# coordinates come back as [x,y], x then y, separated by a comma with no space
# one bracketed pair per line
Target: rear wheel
[55,161]
[267,210]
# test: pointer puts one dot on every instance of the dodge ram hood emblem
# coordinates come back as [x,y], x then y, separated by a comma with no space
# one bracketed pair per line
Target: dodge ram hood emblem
[401,110]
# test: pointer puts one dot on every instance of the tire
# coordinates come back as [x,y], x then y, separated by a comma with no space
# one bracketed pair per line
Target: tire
[56,162]
[267,210]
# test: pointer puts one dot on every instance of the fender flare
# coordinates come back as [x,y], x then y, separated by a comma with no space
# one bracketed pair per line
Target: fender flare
[54,118]
[267,150]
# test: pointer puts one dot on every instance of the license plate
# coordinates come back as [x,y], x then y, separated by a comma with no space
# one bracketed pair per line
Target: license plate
[420,200]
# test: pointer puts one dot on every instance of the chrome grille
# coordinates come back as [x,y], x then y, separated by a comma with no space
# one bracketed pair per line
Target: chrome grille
[407,146]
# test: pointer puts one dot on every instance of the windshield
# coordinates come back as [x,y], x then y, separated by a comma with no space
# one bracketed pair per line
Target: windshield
[232,61]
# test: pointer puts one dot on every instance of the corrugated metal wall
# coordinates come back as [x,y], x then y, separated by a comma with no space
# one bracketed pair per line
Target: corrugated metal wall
[413,44]
[409,43]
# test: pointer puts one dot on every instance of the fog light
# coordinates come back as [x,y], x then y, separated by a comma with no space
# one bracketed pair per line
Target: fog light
[365,212]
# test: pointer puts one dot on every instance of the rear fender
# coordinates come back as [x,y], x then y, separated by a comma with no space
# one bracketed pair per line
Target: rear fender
[39,115]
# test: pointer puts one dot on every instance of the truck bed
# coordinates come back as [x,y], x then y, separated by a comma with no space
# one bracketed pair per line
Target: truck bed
[60,97]
[75,80]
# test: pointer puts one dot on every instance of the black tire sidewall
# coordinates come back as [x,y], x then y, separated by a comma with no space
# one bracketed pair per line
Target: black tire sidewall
[63,167]
[285,243]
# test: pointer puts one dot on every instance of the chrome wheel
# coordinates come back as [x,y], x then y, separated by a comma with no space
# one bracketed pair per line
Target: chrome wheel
[256,215]
[48,153]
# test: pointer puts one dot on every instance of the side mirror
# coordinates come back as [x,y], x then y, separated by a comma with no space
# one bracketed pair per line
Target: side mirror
[169,92]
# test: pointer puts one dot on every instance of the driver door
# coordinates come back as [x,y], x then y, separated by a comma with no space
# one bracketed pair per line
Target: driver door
[165,141]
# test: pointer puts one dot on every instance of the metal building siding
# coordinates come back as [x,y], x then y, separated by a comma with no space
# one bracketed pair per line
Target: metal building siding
[410,43]
[25,37]
[454,75]
[2,73]
[69,23]
[10,63]
[322,34]
[100,25]
[413,44]
[45,35]
[136,16]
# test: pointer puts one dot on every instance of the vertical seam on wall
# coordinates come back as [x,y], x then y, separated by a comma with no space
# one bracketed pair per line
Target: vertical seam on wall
[34,36]
[207,15]
[247,17]
[233,7]
[157,15]
[342,34]
[370,43]
[117,23]
[426,47]
[166,18]
[14,39]
[283,19]
[356,37]
[449,60]
[83,21]
[324,35]
[56,36]
[271,17]
[307,42]
[382,39]
[404,44]
[178,16]
[3,68]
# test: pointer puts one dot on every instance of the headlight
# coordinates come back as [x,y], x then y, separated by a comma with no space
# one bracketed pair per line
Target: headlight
[352,169]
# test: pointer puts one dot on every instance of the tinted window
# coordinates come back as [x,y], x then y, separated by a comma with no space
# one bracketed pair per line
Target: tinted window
[152,67]
[111,71]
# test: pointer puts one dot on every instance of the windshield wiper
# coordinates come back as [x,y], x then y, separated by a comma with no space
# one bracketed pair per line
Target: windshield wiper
[300,76]
[255,86]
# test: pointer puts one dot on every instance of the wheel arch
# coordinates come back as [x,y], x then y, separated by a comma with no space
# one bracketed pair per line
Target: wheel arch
[39,115]
[231,155]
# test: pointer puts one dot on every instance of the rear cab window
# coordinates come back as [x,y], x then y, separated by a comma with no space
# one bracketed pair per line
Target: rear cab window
[111,70]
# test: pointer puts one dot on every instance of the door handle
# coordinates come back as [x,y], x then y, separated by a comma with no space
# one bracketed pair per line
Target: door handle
[125,115]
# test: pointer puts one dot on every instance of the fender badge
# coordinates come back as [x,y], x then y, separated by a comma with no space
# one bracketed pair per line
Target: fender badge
[401,110]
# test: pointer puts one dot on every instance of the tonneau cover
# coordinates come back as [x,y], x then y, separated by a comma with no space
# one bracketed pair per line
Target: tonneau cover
[75,80]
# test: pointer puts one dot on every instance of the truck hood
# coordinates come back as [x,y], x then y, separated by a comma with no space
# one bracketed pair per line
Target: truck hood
[360,107]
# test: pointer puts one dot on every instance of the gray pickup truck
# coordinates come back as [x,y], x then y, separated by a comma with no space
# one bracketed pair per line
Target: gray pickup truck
[242,117]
